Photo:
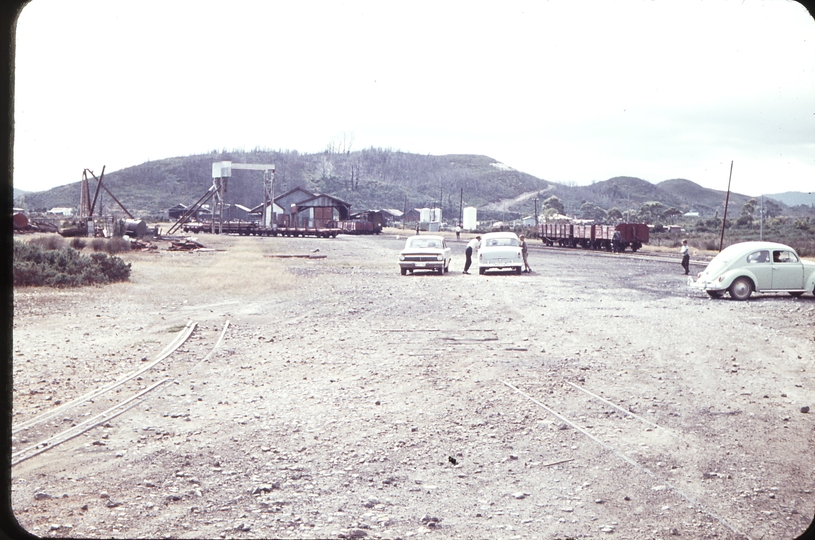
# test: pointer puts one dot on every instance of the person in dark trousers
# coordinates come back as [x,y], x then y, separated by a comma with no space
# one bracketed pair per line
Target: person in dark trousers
[458,232]
[468,253]
[417,227]
[524,253]
[685,256]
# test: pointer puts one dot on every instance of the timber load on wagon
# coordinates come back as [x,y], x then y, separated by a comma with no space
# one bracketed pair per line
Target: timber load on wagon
[607,237]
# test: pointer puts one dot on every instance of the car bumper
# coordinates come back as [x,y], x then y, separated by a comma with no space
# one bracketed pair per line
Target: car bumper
[704,285]
[435,265]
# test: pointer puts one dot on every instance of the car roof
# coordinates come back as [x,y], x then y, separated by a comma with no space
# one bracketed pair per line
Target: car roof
[426,237]
[500,234]
[757,244]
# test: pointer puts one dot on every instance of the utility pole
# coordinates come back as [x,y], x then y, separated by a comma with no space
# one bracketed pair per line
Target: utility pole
[404,213]
[460,206]
[726,200]
[536,213]
[761,227]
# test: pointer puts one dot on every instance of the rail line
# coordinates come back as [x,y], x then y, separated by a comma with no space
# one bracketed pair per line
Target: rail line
[112,411]
[179,340]
[621,455]
[640,256]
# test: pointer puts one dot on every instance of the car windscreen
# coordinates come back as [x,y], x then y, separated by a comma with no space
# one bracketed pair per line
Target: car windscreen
[495,242]
[423,243]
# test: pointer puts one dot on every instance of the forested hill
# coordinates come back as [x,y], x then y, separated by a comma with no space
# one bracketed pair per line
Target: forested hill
[367,179]
[377,178]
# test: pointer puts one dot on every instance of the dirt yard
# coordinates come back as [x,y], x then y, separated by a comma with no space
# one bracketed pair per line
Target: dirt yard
[598,396]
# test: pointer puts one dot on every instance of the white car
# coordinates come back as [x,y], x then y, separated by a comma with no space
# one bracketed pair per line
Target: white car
[500,250]
[748,267]
[425,252]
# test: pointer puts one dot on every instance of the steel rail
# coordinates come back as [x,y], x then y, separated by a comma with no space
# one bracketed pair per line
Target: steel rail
[180,338]
[79,429]
[629,461]
[106,415]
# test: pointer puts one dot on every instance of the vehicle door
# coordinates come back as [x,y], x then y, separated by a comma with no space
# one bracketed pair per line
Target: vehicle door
[447,251]
[788,271]
[758,262]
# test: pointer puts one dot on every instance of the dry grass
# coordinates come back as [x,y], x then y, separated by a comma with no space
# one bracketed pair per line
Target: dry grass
[238,271]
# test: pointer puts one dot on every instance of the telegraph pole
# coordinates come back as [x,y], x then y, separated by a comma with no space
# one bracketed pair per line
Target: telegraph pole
[726,199]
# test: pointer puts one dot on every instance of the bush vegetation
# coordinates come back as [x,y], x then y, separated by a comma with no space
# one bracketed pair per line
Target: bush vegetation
[37,265]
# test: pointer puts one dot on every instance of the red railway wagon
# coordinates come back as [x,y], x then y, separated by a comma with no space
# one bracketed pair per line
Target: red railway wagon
[608,237]
[359,226]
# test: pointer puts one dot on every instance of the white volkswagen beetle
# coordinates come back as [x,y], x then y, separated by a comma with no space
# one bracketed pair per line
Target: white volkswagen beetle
[748,267]
[501,250]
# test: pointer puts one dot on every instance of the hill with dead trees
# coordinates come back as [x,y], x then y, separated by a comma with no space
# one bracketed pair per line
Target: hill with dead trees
[376,178]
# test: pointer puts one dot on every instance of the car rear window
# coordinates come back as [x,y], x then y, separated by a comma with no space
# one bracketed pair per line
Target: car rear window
[502,242]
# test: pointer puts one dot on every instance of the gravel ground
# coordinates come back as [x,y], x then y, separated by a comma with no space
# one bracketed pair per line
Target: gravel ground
[598,396]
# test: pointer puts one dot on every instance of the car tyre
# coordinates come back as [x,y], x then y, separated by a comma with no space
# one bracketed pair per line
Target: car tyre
[714,294]
[447,268]
[404,271]
[481,270]
[741,289]
[518,270]
[796,294]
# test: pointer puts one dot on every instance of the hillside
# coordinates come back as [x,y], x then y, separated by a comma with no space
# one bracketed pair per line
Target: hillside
[794,198]
[379,178]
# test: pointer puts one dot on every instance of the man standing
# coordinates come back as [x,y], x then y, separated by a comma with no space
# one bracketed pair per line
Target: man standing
[458,232]
[685,256]
[468,253]
[524,253]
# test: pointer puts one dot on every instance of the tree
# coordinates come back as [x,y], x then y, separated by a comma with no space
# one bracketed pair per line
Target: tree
[614,214]
[671,214]
[749,208]
[771,208]
[554,202]
[649,211]
[591,211]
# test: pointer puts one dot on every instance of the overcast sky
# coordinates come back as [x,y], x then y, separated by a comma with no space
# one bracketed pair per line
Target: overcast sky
[570,91]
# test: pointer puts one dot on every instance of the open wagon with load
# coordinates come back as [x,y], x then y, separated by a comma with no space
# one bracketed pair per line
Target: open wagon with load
[608,237]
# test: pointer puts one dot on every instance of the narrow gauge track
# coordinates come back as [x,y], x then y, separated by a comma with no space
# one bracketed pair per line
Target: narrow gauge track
[601,428]
[102,404]
[601,253]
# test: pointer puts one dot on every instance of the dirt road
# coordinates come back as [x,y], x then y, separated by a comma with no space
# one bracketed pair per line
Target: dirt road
[597,396]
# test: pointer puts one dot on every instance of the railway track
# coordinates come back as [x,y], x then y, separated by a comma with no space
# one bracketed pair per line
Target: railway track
[603,427]
[101,405]
[673,259]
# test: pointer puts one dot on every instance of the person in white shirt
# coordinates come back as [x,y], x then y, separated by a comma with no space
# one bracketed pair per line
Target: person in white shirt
[685,256]
[468,253]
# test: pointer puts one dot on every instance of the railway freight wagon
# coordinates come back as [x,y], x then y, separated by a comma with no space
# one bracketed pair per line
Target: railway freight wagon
[358,226]
[608,237]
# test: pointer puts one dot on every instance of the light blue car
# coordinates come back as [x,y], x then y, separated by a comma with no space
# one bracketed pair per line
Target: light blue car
[764,267]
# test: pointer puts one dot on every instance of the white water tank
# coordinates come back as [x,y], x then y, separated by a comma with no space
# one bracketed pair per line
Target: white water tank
[470,218]
[424,215]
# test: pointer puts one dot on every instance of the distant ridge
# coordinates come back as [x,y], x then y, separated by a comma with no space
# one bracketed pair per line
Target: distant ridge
[794,198]
[376,178]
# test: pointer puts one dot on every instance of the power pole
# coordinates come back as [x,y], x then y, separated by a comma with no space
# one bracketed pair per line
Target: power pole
[726,200]
[460,206]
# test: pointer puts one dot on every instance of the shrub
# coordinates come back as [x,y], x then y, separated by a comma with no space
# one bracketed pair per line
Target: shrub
[98,244]
[77,242]
[66,267]
[117,244]
[51,241]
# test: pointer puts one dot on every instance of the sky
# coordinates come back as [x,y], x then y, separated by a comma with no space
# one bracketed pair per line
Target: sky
[571,91]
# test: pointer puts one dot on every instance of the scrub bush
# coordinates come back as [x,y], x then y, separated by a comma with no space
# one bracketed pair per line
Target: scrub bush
[65,267]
